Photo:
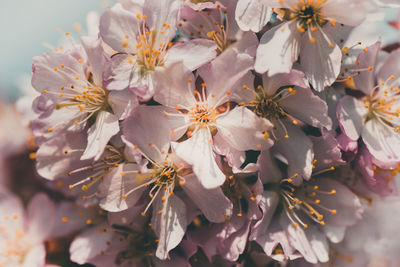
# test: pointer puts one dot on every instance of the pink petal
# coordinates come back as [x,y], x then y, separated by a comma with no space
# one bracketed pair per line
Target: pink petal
[174,88]
[272,83]
[96,57]
[297,149]
[212,202]
[365,81]
[307,107]
[243,129]
[41,217]
[90,244]
[193,53]
[114,191]
[223,73]
[115,24]
[148,128]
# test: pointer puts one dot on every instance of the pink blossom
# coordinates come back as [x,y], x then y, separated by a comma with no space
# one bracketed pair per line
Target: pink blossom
[22,235]
[131,30]
[374,116]
[304,34]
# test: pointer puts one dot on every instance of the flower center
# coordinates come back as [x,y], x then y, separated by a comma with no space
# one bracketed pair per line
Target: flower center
[202,115]
[91,100]
[303,202]
[269,108]
[308,14]
[111,159]
[151,44]
[213,25]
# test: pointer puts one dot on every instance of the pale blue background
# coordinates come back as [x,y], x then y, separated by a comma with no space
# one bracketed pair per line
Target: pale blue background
[26,24]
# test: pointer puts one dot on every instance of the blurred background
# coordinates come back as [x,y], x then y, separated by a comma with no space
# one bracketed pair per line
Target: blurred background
[28,28]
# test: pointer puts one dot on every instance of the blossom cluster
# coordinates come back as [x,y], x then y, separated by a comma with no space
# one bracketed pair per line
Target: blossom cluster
[213,133]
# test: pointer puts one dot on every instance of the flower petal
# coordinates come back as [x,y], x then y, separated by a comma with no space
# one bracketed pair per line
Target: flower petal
[148,129]
[170,225]
[286,38]
[90,243]
[96,57]
[351,115]
[197,151]
[382,141]
[115,189]
[347,12]
[243,129]
[365,81]
[115,24]
[307,107]
[297,149]
[175,86]
[321,59]
[212,202]
[41,217]
[105,127]
[193,53]
[122,73]
[252,15]
[222,74]
[122,103]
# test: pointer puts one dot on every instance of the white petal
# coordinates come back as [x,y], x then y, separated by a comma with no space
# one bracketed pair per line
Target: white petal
[105,127]
[242,129]
[347,12]
[365,81]
[115,24]
[197,151]
[122,102]
[252,15]
[320,60]
[170,225]
[279,48]
[351,115]
[382,141]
